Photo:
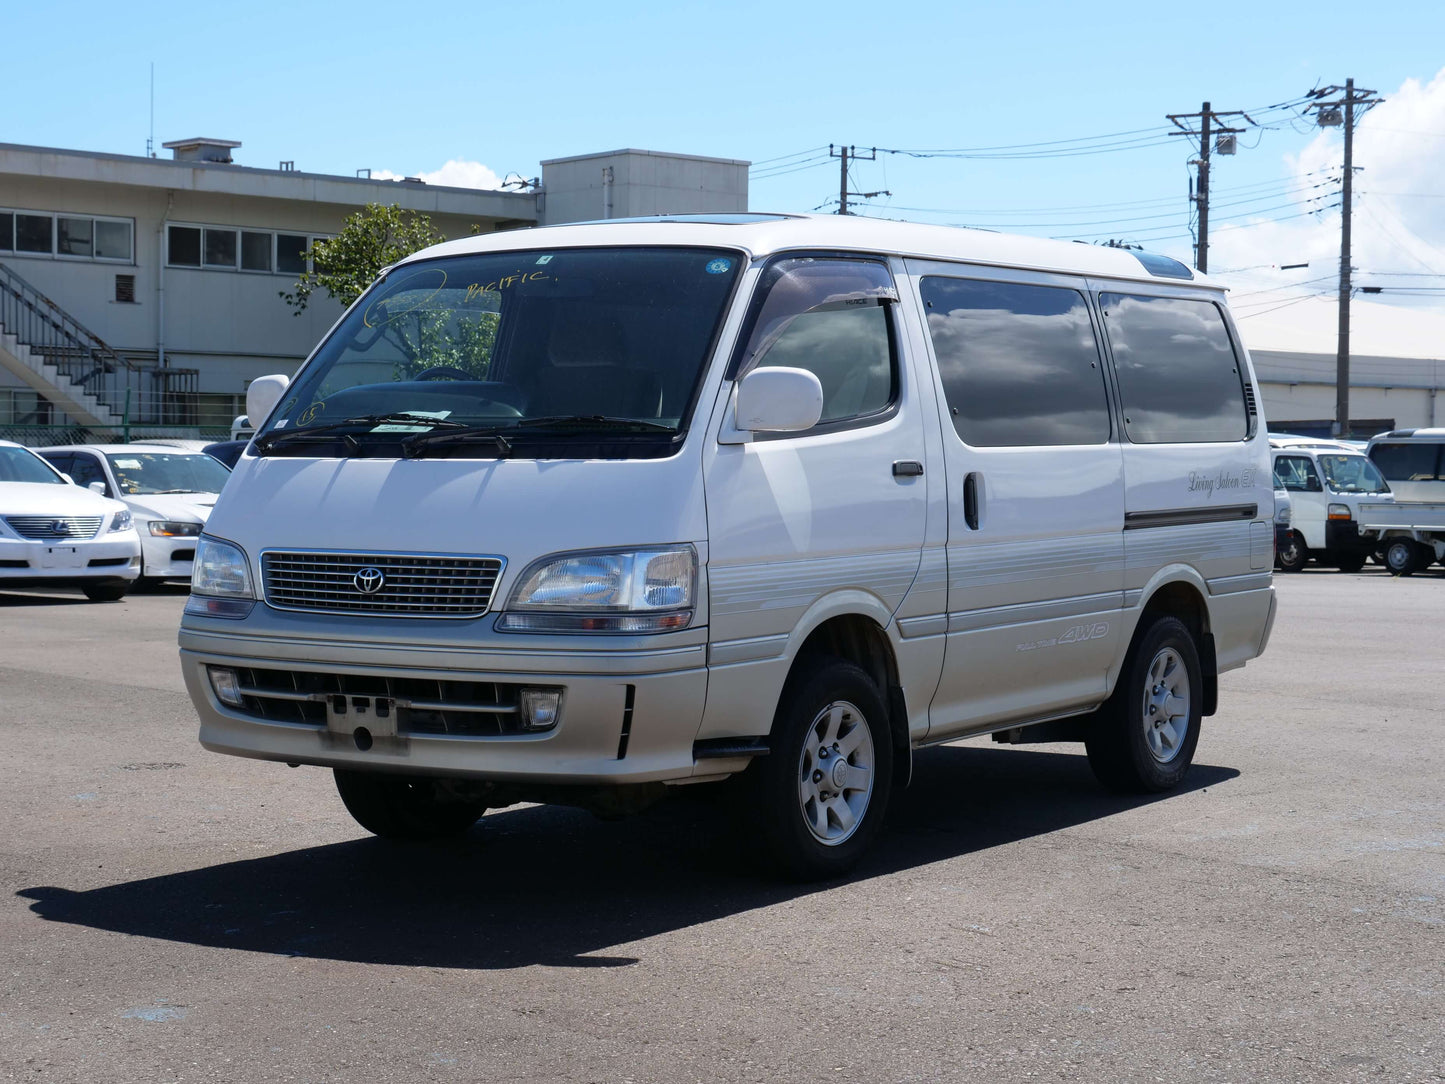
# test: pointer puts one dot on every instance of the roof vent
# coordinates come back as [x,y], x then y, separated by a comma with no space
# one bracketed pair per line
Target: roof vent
[202,150]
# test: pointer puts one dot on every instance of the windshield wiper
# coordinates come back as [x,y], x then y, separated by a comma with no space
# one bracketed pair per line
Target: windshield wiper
[415,445]
[594,421]
[330,430]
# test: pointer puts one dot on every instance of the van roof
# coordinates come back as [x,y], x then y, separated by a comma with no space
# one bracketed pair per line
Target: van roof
[762,234]
[1432,435]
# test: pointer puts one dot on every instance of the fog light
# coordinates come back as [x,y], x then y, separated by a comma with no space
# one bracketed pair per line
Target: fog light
[540,708]
[226,686]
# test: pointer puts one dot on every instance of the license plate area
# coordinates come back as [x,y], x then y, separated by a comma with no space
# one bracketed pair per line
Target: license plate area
[61,557]
[345,715]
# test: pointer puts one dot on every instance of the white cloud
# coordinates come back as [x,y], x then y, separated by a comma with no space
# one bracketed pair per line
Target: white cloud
[457,173]
[1399,219]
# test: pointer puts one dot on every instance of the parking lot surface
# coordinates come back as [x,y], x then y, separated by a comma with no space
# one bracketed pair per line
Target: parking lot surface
[167,914]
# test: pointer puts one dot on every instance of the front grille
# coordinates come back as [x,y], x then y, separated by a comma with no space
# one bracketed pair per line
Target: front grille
[412,585]
[423,705]
[53,527]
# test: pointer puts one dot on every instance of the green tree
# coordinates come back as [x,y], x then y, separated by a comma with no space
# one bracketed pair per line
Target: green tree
[345,265]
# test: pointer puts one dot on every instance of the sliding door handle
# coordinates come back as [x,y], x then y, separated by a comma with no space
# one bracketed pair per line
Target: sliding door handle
[971,486]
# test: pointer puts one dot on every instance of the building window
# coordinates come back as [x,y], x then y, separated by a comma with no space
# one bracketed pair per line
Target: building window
[184,246]
[84,237]
[224,248]
[255,251]
[34,233]
[23,407]
[220,248]
[291,253]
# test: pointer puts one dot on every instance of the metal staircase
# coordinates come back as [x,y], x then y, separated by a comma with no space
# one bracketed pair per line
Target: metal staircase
[84,378]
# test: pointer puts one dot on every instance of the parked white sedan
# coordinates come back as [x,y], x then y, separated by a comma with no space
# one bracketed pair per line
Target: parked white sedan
[170,492]
[56,534]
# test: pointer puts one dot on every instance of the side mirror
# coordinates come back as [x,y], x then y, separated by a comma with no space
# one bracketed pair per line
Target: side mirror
[263,395]
[778,400]
[97,487]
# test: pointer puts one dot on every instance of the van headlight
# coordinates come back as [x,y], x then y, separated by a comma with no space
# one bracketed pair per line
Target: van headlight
[645,590]
[121,522]
[220,581]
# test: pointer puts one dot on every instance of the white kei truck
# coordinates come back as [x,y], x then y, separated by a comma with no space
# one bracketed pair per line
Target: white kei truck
[1409,531]
[582,513]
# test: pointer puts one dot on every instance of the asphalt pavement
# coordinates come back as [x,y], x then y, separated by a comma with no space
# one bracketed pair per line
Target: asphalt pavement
[168,914]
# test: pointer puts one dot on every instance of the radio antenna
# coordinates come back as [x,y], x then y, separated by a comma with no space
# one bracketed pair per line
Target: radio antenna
[151,139]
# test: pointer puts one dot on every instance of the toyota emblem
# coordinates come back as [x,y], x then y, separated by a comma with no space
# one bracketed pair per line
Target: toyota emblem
[369,580]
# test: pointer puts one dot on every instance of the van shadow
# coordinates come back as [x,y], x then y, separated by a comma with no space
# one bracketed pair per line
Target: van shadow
[543,885]
[20,597]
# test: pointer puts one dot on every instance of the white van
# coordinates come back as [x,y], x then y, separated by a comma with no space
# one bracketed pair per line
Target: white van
[576,513]
[1328,481]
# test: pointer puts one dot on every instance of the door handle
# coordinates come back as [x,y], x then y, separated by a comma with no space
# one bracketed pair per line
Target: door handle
[970,500]
[907,468]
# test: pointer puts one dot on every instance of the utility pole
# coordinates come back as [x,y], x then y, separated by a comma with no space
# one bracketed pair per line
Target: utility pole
[1327,115]
[843,154]
[1225,135]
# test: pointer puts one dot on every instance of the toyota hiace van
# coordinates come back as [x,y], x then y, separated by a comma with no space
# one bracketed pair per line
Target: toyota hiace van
[583,512]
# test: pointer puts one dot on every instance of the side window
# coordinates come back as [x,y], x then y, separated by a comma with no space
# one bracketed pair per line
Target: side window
[1179,378]
[61,461]
[1020,364]
[829,316]
[1297,473]
[1407,462]
[86,470]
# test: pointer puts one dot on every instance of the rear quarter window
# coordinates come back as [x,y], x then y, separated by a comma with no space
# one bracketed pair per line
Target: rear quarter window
[1407,462]
[1180,380]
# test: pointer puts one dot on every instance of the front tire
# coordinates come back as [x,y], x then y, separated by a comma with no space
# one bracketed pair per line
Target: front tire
[820,797]
[1143,738]
[404,807]
[1403,557]
[1350,562]
[1294,555]
[105,592]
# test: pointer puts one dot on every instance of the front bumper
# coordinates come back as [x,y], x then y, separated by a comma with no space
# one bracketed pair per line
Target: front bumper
[110,558]
[1343,536]
[168,558]
[653,695]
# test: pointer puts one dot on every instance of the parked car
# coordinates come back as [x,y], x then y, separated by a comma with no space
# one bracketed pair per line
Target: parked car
[227,451]
[1285,542]
[578,513]
[1327,482]
[170,492]
[54,533]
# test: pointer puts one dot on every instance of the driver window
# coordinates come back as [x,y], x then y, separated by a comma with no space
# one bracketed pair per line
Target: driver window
[1296,473]
[830,317]
[85,470]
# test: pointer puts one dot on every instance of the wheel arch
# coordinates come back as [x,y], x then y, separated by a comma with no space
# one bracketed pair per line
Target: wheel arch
[859,630]
[1181,593]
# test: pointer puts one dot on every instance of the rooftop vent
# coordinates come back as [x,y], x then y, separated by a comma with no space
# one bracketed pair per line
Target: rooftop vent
[202,150]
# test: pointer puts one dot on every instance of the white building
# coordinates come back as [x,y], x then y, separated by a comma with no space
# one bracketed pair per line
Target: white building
[1397,365]
[147,290]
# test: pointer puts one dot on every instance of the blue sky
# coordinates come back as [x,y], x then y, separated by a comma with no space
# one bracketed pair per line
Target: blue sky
[408,89]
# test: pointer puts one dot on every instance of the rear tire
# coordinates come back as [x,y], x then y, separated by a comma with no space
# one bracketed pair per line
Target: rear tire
[1403,557]
[818,800]
[1295,554]
[404,807]
[105,592]
[1143,739]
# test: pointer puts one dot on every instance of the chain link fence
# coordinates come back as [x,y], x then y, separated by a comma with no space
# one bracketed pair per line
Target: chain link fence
[44,436]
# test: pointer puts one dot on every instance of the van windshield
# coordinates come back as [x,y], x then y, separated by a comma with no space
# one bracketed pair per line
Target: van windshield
[562,353]
[1352,474]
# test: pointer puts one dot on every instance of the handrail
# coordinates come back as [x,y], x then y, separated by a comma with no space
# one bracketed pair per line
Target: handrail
[146,393]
